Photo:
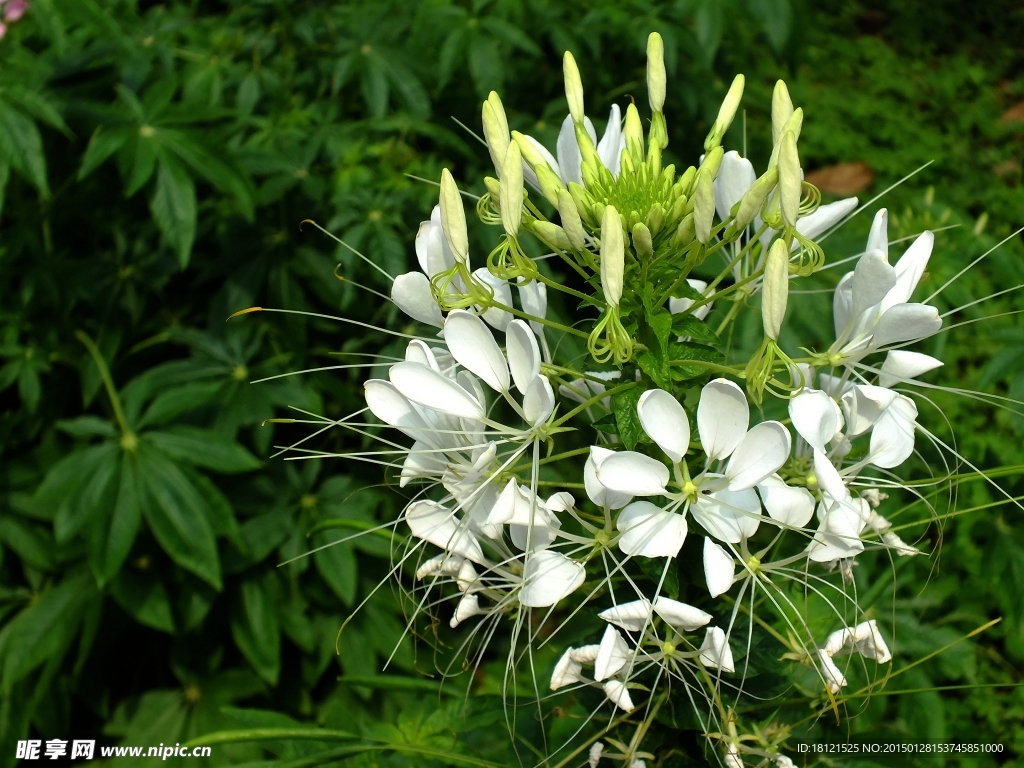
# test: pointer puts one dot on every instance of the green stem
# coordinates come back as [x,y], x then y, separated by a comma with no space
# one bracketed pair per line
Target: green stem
[736,306]
[596,399]
[101,364]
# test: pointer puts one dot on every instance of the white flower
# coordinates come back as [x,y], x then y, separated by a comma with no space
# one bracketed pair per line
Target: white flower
[548,577]
[864,639]
[715,651]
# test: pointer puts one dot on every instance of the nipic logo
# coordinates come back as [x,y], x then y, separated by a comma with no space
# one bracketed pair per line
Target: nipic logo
[30,749]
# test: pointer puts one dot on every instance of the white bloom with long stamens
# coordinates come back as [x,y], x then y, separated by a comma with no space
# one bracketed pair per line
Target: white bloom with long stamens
[548,577]
[715,651]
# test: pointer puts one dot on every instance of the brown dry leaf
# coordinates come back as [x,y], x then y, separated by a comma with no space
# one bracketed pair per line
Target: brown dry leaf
[844,179]
[1016,112]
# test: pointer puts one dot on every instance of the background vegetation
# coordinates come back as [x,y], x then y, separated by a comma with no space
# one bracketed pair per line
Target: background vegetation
[156,160]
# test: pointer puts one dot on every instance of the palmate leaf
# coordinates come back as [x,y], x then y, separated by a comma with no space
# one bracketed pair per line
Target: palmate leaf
[203,448]
[256,631]
[115,524]
[173,206]
[21,147]
[177,515]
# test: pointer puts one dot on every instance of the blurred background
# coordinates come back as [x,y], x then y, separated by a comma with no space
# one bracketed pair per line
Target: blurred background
[156,161]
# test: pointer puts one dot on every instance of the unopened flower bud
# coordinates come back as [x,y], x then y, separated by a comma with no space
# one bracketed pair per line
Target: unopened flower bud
[453,218]
[552,234]
[549,181]
[775,290]
[511,197]
[655,218]
[495,130]
[726,113]
[782,110]
[754,198]
[642,242]
[493,187]
[571,222]
[789,179]
[704,207]
[613,256]
[656,79]
[573,87]
[685,232]
[712,162]
[584,203]
[633,131]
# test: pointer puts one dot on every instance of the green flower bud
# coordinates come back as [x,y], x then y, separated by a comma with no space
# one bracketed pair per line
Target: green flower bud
[495,129]
[726,113]
[453,218]
[613,256]
[789,179]
[493,188]
[571,222]
[655,218]
[775,290]
[754,198]
[511,199]
[656,78]
[549,181]
[552,234]
[573,87]
[634,130]
[584,203]
[685,232]
[712,162]
[782,110]
[642,242]
[704,207]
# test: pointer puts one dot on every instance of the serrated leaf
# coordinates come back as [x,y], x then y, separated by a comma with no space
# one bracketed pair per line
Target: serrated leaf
[113,527]
[607,424]
[177,516]
[203,448]
[174,208]
[624,407]
[256,631]
[21,147]
[683,350]
[688,325]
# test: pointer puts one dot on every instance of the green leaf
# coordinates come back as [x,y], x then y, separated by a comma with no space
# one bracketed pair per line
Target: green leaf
[21,147]
[113,528]
[32,543]
[177,515]
[5,175]
[102,145]
[255,630]
[172,403]
[624,407]
[45,629]
[174,208]
[485,64]
[654,333]
[60,487]
[607,424]
[87,426]
[776,17]
[143,165]
[684,350]
[221,515]
[28,388]
[143,596]
[96,496]
[337,564]
[374,83]
[688,325]
[203,448]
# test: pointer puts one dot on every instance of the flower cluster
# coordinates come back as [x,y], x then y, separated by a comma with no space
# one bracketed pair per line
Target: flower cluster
[562,466]
[11,11]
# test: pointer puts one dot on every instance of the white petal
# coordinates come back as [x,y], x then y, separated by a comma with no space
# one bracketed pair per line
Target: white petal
[815,417]
[426,387]
[493,316]
[597,749]
[569,158]
[863,405]
[609,149]
[892,437]
[715,650]
[722,418]
[560,502]
[633,473]
[878,237]
[828,477]
[632,616]
[870,643]
[534,298]
[411,293]
[763,450]
[394,409]
[528,173]
[597,492]
[909,270]
[437,524]
[842,304]
[420,463]
[567,671]
[729,515]
[417,351]
[612,656]
[539,401]
[649,531]
[665,422]
[872,280]
[791,506]
[906,322]
[735,176]
[680,615]
[432,251]
[833,677]
[443,564]
[719,568]
[618,695]
[523,354]
[901,365]
[473,345]
[826,217]
[548,577]
[468,606]
[585,654]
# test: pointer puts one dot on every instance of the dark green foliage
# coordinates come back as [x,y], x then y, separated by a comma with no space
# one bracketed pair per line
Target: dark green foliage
[156,161]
